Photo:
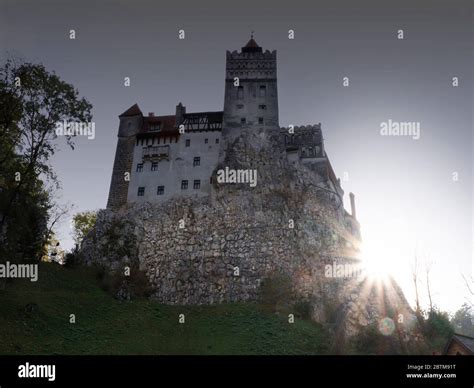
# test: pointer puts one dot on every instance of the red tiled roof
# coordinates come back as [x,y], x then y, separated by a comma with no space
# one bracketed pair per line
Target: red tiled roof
[251,47]
[252,44]
[167,123]
[167,126]
[134,110]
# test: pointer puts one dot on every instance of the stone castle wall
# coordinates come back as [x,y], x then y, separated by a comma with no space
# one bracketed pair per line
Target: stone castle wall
[123,163]
[223,248]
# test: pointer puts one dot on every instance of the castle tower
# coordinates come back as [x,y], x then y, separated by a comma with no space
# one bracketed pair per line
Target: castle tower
[130,123]
[251,97]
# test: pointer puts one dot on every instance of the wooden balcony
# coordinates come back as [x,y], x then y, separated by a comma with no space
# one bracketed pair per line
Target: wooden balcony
[156,152]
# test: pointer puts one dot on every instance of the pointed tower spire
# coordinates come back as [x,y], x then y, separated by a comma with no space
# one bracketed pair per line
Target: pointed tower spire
[251,46]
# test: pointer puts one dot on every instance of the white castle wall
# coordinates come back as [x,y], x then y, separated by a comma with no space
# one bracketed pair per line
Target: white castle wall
[179,166]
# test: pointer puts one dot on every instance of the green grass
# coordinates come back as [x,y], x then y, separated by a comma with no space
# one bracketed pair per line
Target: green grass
[107,326]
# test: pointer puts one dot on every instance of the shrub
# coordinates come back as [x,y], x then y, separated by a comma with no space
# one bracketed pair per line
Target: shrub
[369,340]
[276,292]
[124,287]
[303,309]
[437,329]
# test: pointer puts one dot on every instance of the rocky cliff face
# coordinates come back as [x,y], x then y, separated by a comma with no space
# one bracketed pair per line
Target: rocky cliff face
[225,247]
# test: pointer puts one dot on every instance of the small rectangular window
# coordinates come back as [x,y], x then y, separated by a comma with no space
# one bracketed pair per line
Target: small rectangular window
[154,166]
[141,191]
[197,184]
[197,161]
[184,185]
[217,141]
[263,91]
[240,93]
[139,167]
[160,190]
[188,142]
[243,120]
[260,120]
[262,107]
[206,141]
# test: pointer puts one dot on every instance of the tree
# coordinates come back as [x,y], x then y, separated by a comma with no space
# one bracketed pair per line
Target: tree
[428,288]
[83,222]
[415,283]
[437,329]
[32,102]
[469,285]
[56,213]
[463,320]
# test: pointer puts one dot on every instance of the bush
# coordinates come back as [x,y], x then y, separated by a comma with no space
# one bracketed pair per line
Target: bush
[303,309]
[72,259]
[370,341]
[276,292]
[437,330]
[124,287]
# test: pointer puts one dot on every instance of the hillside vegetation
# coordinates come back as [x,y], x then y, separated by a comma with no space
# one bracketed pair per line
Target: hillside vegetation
[35,319]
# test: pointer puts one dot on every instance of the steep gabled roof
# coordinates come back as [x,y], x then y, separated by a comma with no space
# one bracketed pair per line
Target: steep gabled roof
[134,110]
[464,340]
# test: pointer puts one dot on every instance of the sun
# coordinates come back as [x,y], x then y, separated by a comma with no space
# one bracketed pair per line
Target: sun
[375,263]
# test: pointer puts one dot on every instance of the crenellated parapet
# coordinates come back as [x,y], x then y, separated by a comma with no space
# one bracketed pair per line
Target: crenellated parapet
[251,65]
[306,140]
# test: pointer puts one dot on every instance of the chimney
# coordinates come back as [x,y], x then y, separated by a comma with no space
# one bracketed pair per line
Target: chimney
[180,112]
[151,114]
[353,205]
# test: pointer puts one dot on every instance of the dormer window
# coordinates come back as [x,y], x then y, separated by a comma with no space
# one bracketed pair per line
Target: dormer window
[155,127]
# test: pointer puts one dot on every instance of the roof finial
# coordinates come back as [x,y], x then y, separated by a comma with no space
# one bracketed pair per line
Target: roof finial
[251,34]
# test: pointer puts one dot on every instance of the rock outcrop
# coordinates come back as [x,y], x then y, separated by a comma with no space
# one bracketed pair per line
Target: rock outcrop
[224,248]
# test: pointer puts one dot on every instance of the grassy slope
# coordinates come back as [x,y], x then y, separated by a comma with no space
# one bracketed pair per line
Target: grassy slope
[107,326]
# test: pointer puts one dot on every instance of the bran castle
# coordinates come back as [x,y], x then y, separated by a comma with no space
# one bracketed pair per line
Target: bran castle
[200,240]
[163,157]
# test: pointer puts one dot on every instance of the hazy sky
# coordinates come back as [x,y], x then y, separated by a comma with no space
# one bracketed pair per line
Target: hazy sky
[406,198]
